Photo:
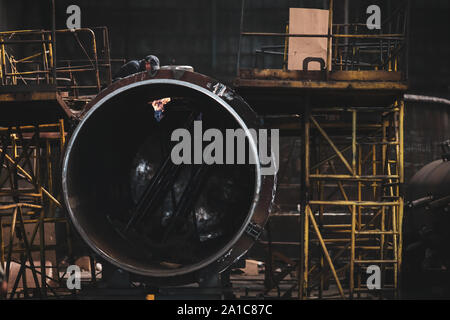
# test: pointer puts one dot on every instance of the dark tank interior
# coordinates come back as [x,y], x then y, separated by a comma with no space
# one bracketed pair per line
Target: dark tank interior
[131,202]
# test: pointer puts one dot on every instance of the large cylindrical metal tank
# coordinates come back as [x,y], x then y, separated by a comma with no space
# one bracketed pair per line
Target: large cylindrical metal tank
[137,209]
[426,265]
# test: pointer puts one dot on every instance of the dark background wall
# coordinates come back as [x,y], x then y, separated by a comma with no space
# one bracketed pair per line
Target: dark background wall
[205,33]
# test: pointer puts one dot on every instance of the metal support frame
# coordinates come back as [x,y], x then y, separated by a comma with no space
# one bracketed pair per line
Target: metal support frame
[362,225]
[28,198]
[351,205]
[43,67]
[30,153]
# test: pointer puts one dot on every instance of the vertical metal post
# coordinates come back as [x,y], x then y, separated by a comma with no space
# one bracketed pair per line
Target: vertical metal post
[97,71]
[402,181]
[12,230]
[336,45]
[354,141]
[374,170]
[50,53]
[382,243]
[285,51]
[3,62]
[107,53]
[42,215]
[306,251]
[321,211]
[61,133]
[330,27]
[44,58]
[359,211]
[395,245]
[304,223]
[352,252]
[49,174]
[2,245]
[62,144]
[384,148]
[306,188]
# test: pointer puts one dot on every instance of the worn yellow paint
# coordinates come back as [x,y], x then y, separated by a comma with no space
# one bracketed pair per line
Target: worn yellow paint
[28,96]
[324,85]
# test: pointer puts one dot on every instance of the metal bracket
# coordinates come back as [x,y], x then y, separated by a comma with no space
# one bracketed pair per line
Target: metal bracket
[307,60]
[253,230]
[219,89]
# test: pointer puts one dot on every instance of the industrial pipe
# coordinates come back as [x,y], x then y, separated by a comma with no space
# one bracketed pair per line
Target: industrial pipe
[136,208]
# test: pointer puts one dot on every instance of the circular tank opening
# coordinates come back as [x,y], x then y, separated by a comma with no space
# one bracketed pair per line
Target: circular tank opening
[133,205]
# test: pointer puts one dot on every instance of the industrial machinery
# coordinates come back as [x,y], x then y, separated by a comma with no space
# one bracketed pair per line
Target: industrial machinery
[164,223]
[427,258]
[172,223]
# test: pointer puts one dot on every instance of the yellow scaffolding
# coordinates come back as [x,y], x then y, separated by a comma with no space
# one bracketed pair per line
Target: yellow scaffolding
[351,112]
[40,66]
[352,208]
[41,90]
[28,155]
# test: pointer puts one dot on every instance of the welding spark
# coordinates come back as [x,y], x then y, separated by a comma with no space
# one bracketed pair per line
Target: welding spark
[158,106]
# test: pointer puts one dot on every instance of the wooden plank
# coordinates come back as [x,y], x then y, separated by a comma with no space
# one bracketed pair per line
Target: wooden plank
[307,21]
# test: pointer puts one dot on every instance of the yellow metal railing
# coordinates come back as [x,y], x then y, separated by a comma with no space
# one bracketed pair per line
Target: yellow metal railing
[348,44]
[27,57]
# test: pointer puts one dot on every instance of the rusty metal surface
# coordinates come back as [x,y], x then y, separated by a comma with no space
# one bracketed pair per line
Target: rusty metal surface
[324,85]
[279,74]
[263,89]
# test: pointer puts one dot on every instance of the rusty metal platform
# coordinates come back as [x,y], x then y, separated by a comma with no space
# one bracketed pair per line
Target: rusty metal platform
[289,96]
[32,104]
